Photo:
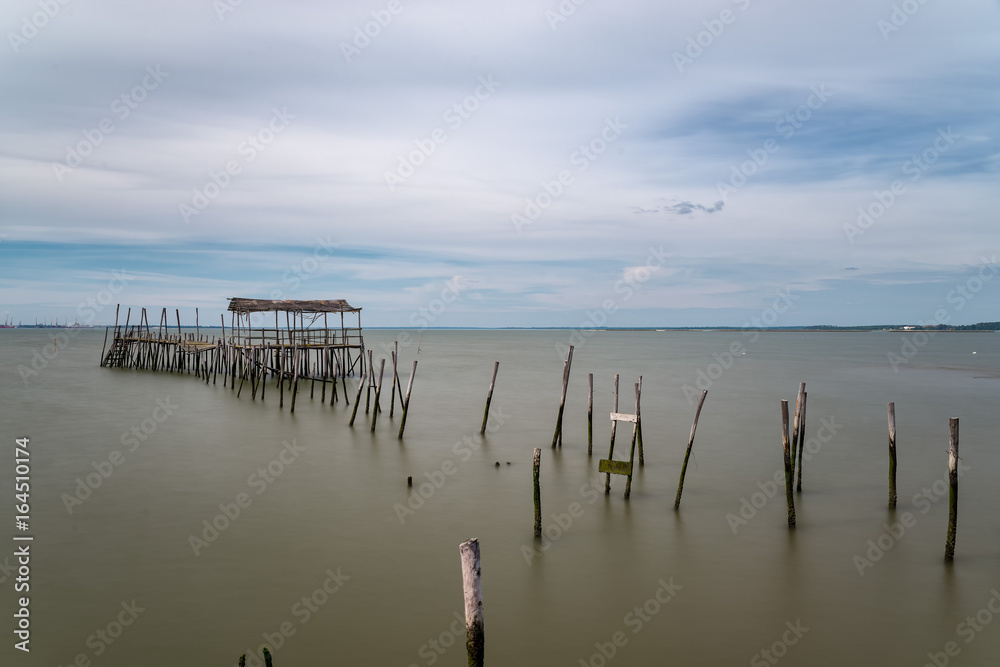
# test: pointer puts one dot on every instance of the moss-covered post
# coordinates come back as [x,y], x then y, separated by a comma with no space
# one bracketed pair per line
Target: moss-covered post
[892,456]
[489,397]
[472,586]
[789,497]
[538,496]
[267,658]
[687,454]
[949,547]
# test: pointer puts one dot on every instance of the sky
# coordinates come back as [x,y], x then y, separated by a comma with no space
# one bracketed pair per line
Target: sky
[545,163]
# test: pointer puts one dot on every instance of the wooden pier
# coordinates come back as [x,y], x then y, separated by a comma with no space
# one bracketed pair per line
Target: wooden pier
[308,348]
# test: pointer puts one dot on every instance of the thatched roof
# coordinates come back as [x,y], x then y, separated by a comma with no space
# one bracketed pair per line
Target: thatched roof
[239,305]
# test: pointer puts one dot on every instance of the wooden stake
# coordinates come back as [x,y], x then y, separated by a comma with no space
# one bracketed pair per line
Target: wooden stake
[892,456]
[795,423]
[687,455]
[611,449]
[538,496]
[357,399]
[295,376]
[949,546]
[406,401]
[473,588]
[557,436]
[802,440]
[635,433]
[638,420]
[789,498]
[489,397]
[395,378]
[378,393]
[590,414]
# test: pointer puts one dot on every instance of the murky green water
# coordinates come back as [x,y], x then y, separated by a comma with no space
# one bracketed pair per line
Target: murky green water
[322,505]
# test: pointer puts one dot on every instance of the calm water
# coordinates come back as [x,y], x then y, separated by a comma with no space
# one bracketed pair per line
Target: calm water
[331,504]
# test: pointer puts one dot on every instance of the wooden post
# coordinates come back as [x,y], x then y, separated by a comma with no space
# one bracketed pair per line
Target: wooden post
[489,397]
[371,380]
[635,433]
[557,436]
[638,420]
[892,456]
[473,587]
[795,423]
[267,658]
[357,399]
[538,495]
[104,345]
[687,455]
[378,393]
[789,498]
[395,377]
[295,376]
[949,546]
[406,401]
[590,414]
[614,427]
[281,377]
[802,439]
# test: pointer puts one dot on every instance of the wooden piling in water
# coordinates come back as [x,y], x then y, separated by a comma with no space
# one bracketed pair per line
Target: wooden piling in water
[614,427]
[637,431]
[802,439]
[892,455]
[687,454]
[378,393]
[357,399]
[371,380]
[489,397]
[406,401]
[295,380]
[395,378]
[538,496]
[795,423]
[789,497]
[473,589]
[635,434]
[590,414]
[557,436]
[949,546]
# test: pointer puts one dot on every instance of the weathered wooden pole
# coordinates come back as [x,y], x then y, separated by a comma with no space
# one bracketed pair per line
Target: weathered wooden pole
[789,497]
[395,377]
[687,455]
[802,440]
[638,420]
[489,397]
[295,380]
[357,399]
[538,496]
[371,381]
[590,414]
[281,378]
[267,658]
[892,456]
[557,436]
[614,427]
[406,401]
[795,423]
[378,393]
[472,585]
[949,546]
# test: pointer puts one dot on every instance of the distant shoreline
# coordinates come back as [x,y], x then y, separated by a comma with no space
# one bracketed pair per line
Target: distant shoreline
[984,327]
